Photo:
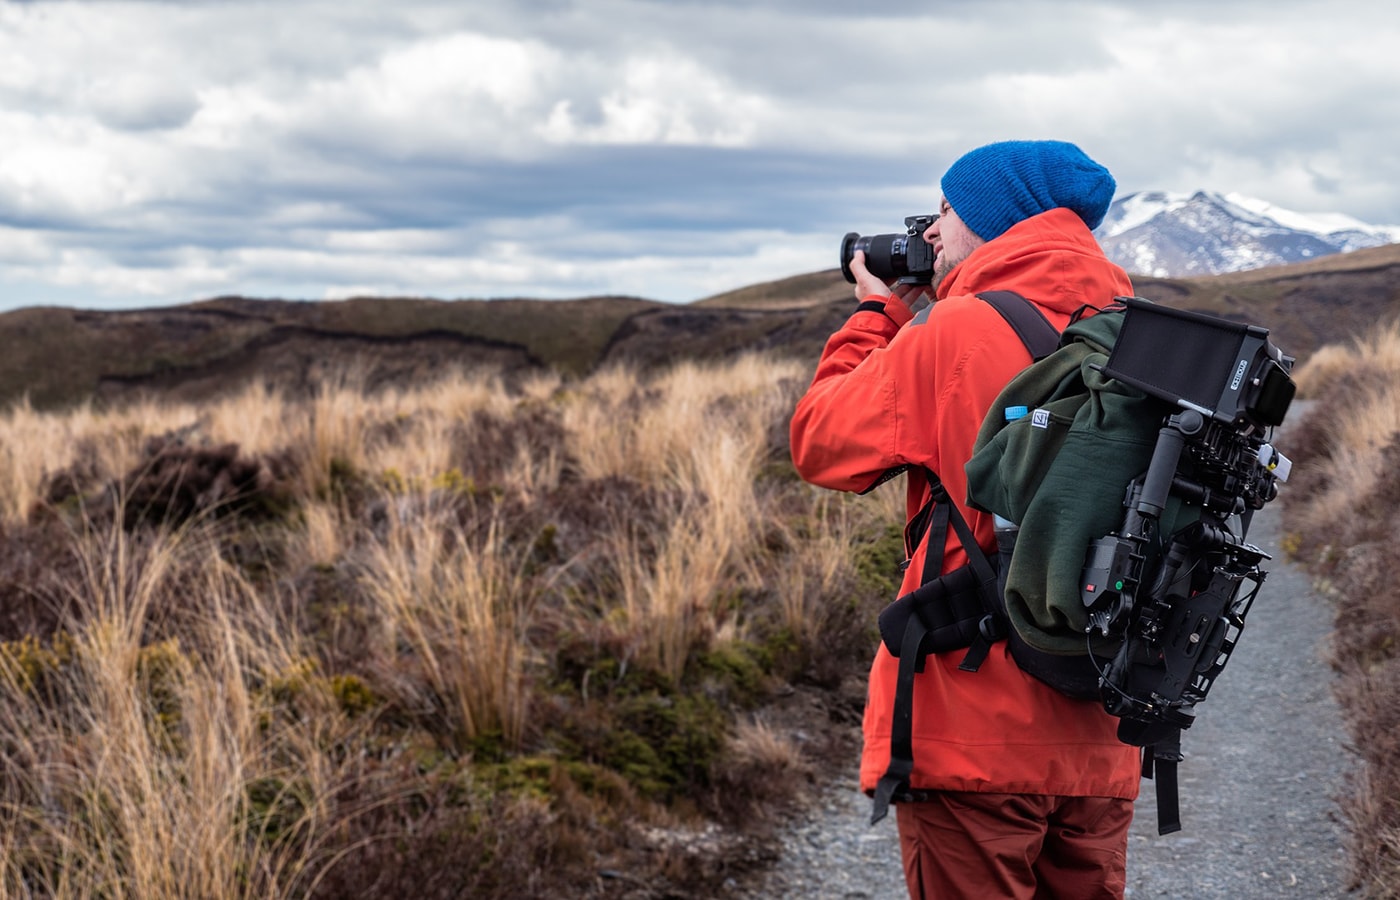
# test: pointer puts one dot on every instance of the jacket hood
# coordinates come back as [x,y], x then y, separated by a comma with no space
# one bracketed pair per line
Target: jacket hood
[1052,258]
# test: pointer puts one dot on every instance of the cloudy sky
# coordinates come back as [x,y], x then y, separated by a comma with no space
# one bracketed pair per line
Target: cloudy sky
[158,152]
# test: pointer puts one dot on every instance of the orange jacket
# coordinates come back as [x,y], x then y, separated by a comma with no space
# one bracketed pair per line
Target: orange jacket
[889,393]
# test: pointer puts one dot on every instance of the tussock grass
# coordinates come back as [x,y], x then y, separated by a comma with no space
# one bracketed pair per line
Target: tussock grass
[129,762]
[1343,514]
[250,417]
[84,444]
[459,607]
[820,547]
[459,639]
[1377,351]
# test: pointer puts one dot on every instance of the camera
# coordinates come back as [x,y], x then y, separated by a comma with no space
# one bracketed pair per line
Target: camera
[902,256]
[1179,600]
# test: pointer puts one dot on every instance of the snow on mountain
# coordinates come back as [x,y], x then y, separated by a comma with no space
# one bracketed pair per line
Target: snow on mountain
[1174,235]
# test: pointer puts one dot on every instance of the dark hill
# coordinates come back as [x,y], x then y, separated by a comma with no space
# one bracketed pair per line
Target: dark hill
[59,356]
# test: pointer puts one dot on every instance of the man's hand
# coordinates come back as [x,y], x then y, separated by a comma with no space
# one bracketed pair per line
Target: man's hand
[867,285]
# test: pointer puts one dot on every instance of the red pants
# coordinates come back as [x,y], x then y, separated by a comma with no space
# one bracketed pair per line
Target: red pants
[1023,846]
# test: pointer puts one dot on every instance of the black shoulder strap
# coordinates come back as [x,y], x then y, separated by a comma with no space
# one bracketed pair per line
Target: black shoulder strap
[1025,318]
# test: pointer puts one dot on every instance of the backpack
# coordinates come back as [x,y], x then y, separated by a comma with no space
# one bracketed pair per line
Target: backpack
[1124,454]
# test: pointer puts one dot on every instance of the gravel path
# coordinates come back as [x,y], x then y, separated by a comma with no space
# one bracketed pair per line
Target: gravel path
[1264,761]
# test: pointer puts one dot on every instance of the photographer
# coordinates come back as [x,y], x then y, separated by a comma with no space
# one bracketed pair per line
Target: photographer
[1016,789]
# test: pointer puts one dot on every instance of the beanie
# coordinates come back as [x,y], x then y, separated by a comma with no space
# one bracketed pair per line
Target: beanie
[996,186]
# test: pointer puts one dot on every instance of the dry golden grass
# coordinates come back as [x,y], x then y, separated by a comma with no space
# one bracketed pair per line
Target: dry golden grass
[319,539]
[755,742]
[1343,513]
[252,418]
[136,784]
[701,431]
[461,607]
[1345,444]
[821,561]
[414,640]
[38,445]
[1376,351]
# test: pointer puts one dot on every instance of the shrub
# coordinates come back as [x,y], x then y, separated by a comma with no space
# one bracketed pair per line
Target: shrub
[1343,513]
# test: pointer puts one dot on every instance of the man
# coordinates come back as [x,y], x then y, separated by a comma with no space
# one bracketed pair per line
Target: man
[1016,789]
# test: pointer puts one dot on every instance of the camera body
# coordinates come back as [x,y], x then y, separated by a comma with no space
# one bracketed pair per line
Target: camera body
[903,256]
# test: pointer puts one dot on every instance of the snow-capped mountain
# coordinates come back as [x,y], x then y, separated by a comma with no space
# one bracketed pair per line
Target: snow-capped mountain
[1173,235]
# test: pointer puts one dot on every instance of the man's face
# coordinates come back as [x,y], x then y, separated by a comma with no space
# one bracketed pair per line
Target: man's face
[952,242]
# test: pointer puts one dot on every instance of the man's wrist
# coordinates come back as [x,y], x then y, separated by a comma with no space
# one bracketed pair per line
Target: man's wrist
[890,306]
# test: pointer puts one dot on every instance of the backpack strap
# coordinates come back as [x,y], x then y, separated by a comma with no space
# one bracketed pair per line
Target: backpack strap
[930,525]
[968,591]
[1025,318]
[1159,764]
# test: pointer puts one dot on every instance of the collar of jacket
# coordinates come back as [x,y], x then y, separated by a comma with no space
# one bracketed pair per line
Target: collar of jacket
[1051,258]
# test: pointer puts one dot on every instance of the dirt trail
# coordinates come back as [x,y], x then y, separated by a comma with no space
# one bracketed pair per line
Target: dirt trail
[1264,762]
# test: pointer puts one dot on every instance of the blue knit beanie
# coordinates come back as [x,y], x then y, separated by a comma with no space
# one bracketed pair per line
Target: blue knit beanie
[996,186]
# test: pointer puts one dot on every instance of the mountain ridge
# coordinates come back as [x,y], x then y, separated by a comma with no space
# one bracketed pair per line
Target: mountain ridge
[1177,235]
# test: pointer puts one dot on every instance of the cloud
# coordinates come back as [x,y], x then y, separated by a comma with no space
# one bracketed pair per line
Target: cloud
[140,102]
[160,152]
[660,100]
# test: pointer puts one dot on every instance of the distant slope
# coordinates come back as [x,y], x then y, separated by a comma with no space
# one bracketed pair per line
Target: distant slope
[58,357]
[789,293]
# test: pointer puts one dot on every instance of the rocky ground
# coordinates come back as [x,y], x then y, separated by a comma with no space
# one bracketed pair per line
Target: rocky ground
[1265,761]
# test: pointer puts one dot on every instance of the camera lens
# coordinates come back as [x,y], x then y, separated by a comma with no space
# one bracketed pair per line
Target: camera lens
[849,245]
[887,256]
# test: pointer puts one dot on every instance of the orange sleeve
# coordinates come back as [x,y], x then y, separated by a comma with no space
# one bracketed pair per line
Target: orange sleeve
[886,397]
[844,431]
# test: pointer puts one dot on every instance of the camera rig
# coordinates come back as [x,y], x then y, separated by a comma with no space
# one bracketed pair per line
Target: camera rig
[1179,601]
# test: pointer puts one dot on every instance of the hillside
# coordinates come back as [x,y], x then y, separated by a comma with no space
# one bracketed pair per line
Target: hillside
[58,357]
